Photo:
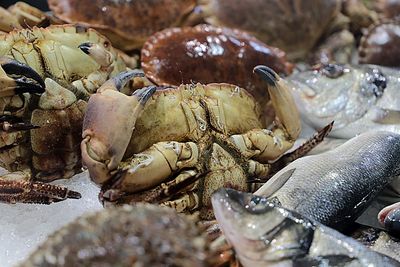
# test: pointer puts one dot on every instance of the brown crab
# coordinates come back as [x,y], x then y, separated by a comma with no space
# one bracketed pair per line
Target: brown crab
[140,235]
[42,106]
[205,54]
[126,23]
[188,141]
[380,44]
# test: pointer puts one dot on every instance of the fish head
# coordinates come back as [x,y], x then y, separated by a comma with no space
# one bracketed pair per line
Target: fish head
[259,230]
[340,93]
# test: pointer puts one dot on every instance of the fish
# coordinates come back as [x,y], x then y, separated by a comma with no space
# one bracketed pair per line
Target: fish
[359,98]
[265,234]
[389,217]
[335,187]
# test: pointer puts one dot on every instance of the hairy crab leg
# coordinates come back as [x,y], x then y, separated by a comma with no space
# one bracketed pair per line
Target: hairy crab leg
[103,146]
[17,78]
[265,145]
[18,190]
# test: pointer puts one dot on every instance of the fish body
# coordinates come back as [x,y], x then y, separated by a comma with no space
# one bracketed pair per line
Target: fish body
[265,234]
[335,187]
[357,98]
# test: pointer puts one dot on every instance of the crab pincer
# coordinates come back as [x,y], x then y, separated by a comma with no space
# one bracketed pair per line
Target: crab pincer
[17,78]
[103,146]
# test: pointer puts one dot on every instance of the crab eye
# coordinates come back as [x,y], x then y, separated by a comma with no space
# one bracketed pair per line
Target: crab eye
[332,70]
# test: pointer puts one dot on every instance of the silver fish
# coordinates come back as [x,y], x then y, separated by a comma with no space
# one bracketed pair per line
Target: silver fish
[335,187]
[264,234]
[357,98]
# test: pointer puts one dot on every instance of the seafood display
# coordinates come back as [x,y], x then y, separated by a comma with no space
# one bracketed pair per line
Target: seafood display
[358,98]
[186,143]
[186,119]
[335,187]
[264,234]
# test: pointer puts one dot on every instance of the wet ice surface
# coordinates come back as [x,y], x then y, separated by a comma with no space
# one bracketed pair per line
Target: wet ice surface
[23,227]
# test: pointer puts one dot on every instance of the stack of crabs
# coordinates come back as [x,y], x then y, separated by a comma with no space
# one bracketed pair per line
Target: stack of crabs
[167,102]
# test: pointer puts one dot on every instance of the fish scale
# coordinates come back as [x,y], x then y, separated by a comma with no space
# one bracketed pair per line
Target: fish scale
[335,187]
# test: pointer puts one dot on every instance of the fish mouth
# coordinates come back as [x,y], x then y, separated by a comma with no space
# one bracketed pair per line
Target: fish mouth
[389,217]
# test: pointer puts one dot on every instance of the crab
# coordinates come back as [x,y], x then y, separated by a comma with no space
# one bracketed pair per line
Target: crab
[380,44]
[141,235]
[21,15]
[205,54]
[43,99]
[111,17]
[188,142]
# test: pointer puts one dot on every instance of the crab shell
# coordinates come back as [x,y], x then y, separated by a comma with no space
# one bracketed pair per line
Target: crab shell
[141,235]
[53,51]
[293,26]
[388,8]
[208,54]
[127,23]
[380,45]
[51,151]
[166,117]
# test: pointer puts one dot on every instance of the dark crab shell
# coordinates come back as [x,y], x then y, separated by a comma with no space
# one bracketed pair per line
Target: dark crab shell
[292,25]
[209,54]
[126,23]
[388,8]
[380,45]
[141,235]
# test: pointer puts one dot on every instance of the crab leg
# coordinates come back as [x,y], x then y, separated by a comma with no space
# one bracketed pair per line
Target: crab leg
[151,168]
[17,78]
[21,191]
[103,146]
[265,145]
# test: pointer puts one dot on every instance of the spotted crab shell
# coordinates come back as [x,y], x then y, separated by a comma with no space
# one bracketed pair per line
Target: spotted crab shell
[292,25]
[380,45]
[141,235]
[208,54]
[126,23]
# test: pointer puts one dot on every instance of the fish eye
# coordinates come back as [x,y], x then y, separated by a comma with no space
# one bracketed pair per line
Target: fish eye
[332,70]
[374,82]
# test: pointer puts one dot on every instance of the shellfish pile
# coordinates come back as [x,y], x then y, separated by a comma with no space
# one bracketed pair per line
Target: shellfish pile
[213,132]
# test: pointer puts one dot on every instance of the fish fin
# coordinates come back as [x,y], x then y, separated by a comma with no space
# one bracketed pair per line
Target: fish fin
[274,184]
[385,116]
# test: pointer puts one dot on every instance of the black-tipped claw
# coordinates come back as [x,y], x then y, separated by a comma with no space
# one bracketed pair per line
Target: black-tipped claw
[24,85]
[85,47]
[267,74]
[27,80]
[121,79]
[144,94]
[29,77]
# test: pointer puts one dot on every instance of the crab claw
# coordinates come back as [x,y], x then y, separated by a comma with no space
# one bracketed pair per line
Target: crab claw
[98,53]
[389,217]
[17,78]
[108,125]
[282,100]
